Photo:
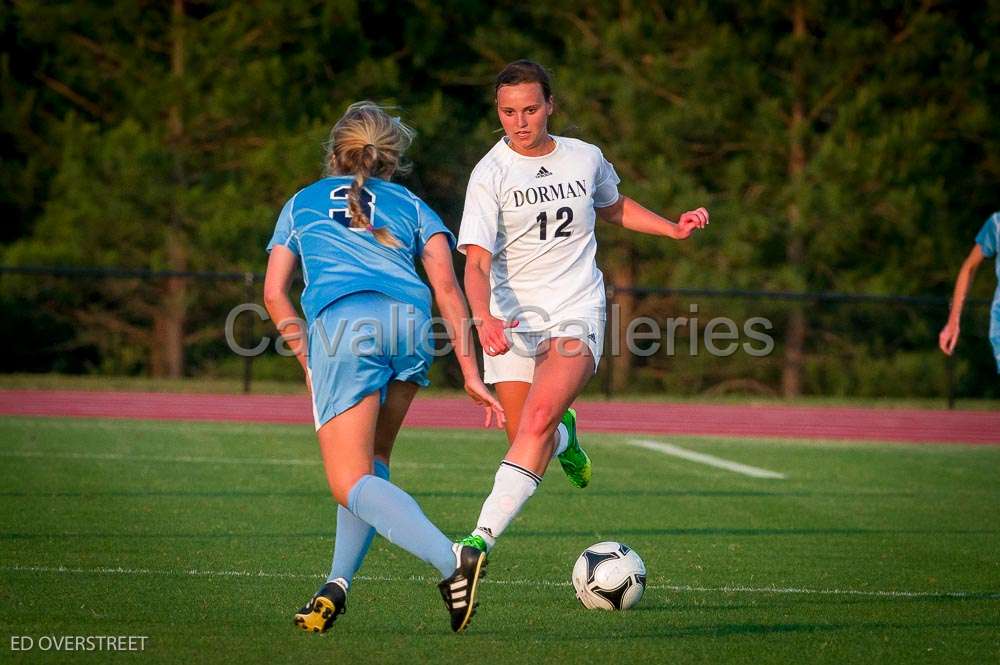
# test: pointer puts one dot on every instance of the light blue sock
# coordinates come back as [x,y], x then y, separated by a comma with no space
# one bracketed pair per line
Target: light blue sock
[353,538]
[398,519]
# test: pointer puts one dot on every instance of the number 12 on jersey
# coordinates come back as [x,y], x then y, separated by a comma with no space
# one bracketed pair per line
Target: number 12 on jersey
[564,215]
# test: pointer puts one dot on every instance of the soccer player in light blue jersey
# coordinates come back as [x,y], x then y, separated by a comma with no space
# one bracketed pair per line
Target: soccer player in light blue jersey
[367,349]
[987,241]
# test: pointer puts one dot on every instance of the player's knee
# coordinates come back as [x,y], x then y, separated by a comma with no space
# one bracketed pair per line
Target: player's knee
[539,420]
[341,485]
[341,495]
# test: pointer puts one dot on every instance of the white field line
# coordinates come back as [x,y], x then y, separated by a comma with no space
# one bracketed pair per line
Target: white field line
[187,459]
[158,458]
[259,461]
[702,458]
[681,588]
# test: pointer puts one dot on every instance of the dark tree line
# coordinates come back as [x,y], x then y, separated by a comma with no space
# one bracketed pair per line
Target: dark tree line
[848,146]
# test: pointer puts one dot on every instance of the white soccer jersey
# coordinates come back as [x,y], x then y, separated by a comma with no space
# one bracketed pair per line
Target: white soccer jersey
[536,216]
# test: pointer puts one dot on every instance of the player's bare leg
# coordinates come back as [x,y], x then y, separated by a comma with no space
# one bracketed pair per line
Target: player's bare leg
[572,458]
[353,535]
[562,370]
[347,445]
[390,417]
[512,395]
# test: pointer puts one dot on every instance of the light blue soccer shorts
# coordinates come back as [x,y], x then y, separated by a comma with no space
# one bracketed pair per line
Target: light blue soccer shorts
[361,342]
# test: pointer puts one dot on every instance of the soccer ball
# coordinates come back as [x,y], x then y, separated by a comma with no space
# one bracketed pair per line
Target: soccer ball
[609,576]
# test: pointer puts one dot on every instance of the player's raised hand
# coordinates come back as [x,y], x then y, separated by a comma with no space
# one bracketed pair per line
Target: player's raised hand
[691,220]
[480,394]
[493,337]
[948,337]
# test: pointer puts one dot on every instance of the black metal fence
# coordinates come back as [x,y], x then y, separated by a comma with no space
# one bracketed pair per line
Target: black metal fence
[670,341]
[853,345]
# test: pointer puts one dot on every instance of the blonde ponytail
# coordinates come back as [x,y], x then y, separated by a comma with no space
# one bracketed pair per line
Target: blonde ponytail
[366,142]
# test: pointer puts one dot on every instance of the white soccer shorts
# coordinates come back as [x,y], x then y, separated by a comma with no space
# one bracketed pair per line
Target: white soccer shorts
[518,364]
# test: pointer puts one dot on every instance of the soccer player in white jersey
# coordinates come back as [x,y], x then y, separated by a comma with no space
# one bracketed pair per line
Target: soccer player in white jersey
[533,285]
[356,236]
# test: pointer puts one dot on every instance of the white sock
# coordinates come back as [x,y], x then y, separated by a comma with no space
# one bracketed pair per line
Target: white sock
[562,440]
[511,489]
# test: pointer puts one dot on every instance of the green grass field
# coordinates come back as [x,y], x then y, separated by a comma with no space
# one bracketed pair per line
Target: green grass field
[207,537]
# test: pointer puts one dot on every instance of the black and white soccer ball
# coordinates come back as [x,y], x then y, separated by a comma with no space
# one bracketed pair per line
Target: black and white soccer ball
[609,576]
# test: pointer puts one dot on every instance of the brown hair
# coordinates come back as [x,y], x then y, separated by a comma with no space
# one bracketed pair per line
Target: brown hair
[524,71]
[367,142]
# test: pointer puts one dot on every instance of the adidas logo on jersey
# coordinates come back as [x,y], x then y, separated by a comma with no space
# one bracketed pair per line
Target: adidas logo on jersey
[542,172]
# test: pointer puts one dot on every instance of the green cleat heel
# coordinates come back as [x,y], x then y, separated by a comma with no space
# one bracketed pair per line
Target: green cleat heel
[574,460]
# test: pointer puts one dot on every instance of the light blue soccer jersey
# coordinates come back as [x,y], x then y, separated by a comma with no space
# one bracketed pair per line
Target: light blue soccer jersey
[338,261]
[988,240]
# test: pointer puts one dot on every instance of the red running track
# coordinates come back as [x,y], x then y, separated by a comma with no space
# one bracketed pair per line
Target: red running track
[902,425]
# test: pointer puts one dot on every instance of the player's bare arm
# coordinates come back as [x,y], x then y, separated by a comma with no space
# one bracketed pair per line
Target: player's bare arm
[627,213]
[477,288]
[948,337]
[436,259]
[280,269]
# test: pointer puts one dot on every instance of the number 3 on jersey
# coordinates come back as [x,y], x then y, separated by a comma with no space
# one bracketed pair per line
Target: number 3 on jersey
[564,215]
[342,212]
